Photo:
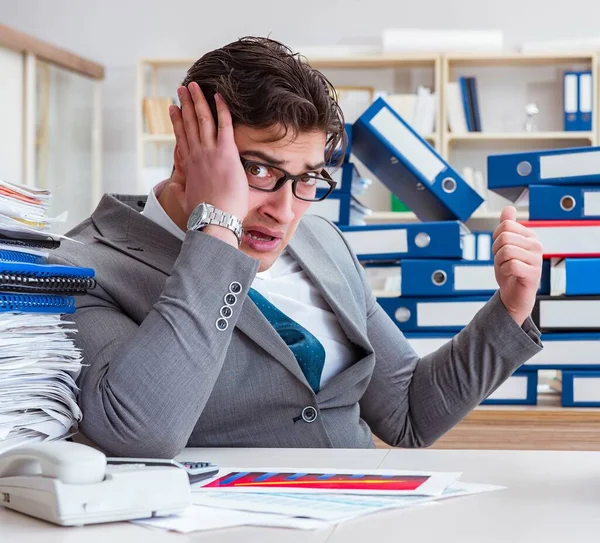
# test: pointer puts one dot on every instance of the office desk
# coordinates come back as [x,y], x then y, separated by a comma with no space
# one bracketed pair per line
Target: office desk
[552,497]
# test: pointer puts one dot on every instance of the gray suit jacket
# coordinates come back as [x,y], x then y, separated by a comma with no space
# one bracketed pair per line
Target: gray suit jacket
[162,376]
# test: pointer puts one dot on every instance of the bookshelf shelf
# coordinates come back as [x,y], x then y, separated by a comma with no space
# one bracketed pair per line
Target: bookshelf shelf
[158,138]
[374,61]
[519,136]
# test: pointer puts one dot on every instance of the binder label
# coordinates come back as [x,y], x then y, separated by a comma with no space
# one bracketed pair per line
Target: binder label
[408,144]
[570,165]
[475,278]
[591,203]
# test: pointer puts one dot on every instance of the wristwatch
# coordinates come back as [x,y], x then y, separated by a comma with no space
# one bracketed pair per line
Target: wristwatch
[206,214]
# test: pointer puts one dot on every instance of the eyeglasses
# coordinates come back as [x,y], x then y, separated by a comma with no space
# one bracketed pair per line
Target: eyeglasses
[310,187]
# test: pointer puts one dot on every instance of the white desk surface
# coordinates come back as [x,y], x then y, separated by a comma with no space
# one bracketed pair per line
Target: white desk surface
[552,496]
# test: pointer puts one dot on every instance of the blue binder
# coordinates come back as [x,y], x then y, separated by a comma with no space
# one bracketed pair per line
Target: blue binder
[510,174]
[571,101]
[561,351]
[572,398]
[15,256]
[529,397]
[410,167]
[586,100]
[336,208]
[33,303]
[432,314]
[455,278]
[576,277]
[564,202]
[415,240]
[465,93]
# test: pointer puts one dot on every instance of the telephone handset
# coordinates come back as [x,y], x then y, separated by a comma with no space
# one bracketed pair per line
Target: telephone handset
[70,484]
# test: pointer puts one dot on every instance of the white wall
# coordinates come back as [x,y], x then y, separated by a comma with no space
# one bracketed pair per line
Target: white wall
[117,32]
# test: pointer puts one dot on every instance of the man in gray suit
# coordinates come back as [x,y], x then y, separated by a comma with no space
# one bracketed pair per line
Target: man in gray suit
[188,339]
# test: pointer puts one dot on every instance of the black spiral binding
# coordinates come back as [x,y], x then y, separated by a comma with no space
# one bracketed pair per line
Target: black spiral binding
[24,283]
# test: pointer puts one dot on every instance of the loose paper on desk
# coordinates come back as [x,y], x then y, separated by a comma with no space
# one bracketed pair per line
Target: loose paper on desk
[292,480]
[327,507]
[198,518]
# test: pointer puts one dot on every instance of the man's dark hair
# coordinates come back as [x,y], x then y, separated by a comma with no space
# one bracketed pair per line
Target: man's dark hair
[265,84]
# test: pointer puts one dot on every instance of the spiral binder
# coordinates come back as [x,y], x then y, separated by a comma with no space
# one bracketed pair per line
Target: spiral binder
[13,256]
[21,303]
[47,279]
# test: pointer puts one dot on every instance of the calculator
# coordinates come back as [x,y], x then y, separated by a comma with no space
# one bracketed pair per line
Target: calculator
[196,471]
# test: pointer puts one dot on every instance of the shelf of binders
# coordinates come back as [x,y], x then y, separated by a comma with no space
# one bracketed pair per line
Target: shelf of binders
[503,85]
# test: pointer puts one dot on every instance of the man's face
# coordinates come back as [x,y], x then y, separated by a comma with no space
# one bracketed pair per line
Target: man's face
[273,216]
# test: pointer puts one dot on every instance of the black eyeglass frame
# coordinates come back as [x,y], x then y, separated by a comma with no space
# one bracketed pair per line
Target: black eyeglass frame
[294,178]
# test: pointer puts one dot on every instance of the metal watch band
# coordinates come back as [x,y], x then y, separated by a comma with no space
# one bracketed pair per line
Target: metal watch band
[226,220]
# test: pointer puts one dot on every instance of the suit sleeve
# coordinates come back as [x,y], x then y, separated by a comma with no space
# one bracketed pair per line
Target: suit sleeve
[144,387]
[412,401]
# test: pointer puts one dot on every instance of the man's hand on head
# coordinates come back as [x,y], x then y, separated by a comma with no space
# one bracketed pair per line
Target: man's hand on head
[208,155]
[518,265]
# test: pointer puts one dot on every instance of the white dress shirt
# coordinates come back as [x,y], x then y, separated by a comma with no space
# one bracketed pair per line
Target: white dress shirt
[287,287]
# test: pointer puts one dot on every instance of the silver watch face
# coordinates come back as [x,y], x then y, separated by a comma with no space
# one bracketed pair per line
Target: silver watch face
[199,217]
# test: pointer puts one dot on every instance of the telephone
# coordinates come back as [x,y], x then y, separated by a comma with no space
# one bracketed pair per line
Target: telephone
[71,484]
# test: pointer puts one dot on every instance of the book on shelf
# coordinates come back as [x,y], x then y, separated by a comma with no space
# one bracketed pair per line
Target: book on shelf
[418,110]
[156,115]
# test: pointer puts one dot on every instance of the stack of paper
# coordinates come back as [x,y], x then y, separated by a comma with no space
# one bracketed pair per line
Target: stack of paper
[308,498]
[38,358]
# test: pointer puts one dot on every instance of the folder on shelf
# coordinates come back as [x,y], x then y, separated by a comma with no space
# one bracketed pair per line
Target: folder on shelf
[568,350]
[567,313]
[474,99]
[564,202]
[455,278]
[510,174]
[575,277]
[580,389]
[414,240]
[432,314]
[467,103]
[586,100]
[457,120]
[410,167]
[519,389]
[562,239]
[571,101]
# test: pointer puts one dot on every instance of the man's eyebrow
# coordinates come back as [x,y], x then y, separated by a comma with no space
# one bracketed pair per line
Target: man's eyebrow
[278,162]
[263,156]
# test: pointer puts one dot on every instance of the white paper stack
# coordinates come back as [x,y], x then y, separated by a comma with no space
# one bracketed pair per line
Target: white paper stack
[38,358]
[38,365]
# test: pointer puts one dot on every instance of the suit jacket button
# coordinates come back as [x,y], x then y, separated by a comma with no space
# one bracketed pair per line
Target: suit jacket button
[235,287]
[226,311]
[230,299]
[222,325]
[309,414]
